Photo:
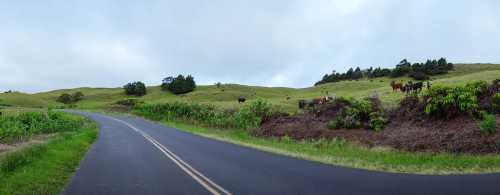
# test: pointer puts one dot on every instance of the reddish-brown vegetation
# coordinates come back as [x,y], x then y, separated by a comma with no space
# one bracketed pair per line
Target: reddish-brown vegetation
[410,129]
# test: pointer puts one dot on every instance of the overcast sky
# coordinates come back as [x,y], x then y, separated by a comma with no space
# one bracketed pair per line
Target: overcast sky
[51,44]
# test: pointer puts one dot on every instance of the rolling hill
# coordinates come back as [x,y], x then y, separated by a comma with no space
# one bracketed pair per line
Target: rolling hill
[226,95]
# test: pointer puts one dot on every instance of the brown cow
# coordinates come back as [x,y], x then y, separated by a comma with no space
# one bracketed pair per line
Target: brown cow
[395,86]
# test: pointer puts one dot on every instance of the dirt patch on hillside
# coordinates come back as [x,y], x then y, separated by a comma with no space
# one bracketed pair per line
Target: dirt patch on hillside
[406,131]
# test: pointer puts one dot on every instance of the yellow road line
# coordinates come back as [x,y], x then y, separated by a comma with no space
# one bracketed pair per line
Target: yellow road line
[192,172]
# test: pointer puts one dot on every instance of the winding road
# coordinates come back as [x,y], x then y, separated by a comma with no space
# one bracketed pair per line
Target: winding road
[136,156]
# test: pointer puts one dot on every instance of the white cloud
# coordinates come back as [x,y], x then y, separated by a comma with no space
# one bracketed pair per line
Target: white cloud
[275,43]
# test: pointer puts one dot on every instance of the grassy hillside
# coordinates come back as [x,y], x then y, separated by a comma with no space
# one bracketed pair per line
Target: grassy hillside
[96,98]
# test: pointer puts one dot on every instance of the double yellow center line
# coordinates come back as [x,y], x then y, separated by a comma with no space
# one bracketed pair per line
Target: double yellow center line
[204,181]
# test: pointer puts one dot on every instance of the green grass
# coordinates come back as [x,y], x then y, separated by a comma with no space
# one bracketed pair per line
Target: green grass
[342,153]
[100,98]
[45,168]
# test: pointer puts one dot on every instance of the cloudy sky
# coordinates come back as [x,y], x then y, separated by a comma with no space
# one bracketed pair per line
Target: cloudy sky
[54,44]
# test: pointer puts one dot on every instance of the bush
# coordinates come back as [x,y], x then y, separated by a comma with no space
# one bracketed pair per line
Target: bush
[351,122]
[77,96]
[446,102]
[70,99]
[333,124]
[65,98]
[489,124]
[377,122]
[356,113]
[136,88]
[179,85]
[249,116]
[495,103]
[253,114]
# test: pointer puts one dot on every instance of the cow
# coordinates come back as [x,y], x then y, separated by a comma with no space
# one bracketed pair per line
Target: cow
[412,87]
[395,86]
[241,99]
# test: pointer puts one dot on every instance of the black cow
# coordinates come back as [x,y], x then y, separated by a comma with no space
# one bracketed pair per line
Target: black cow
[242,100]
[413,87]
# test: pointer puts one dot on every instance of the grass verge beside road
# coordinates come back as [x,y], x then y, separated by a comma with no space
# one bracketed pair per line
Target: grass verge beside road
[45,168]
[339,152]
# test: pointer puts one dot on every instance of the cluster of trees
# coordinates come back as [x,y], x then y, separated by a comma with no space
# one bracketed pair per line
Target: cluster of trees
[421,71]
[66,98]
[135,88]
[418,71]
[179,84]
[336,77]
[176,85]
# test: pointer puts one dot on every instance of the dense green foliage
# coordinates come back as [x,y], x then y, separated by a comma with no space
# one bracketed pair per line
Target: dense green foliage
[179,84]
[445,101]
[418,71]
[249,116]
[136,88]
[489,124]
[64,98]
[26,124]
[495,103]
[357,113]
[70,98]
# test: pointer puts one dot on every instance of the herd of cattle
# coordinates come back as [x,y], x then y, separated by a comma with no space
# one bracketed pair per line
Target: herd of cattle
[409,87]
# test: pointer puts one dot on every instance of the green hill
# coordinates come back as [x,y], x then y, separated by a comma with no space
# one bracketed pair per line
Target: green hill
[226,96]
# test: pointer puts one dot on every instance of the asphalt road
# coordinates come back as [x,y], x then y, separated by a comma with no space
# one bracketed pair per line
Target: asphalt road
[135,156]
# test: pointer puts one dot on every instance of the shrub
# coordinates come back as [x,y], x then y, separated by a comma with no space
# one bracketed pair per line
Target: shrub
[356,113]
[249,116]
[65,98]
[136,88]
[179,84]
[335,124]
[495,103]
[450,101]
[253,114]
[351,122]
[77,96]
[377,122]
[489,124]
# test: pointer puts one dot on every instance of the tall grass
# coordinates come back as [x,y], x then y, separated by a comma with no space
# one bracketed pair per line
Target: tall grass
[249,116]
[24,125]
[47,167]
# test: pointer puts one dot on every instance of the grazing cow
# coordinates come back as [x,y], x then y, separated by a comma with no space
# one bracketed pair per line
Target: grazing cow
[242,100]
[412,87]
[320,100]
[395,86]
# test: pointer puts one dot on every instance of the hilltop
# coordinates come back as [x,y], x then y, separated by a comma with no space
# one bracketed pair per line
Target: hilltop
[227,94]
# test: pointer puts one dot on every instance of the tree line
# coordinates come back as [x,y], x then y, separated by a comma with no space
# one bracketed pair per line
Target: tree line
[418,71]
